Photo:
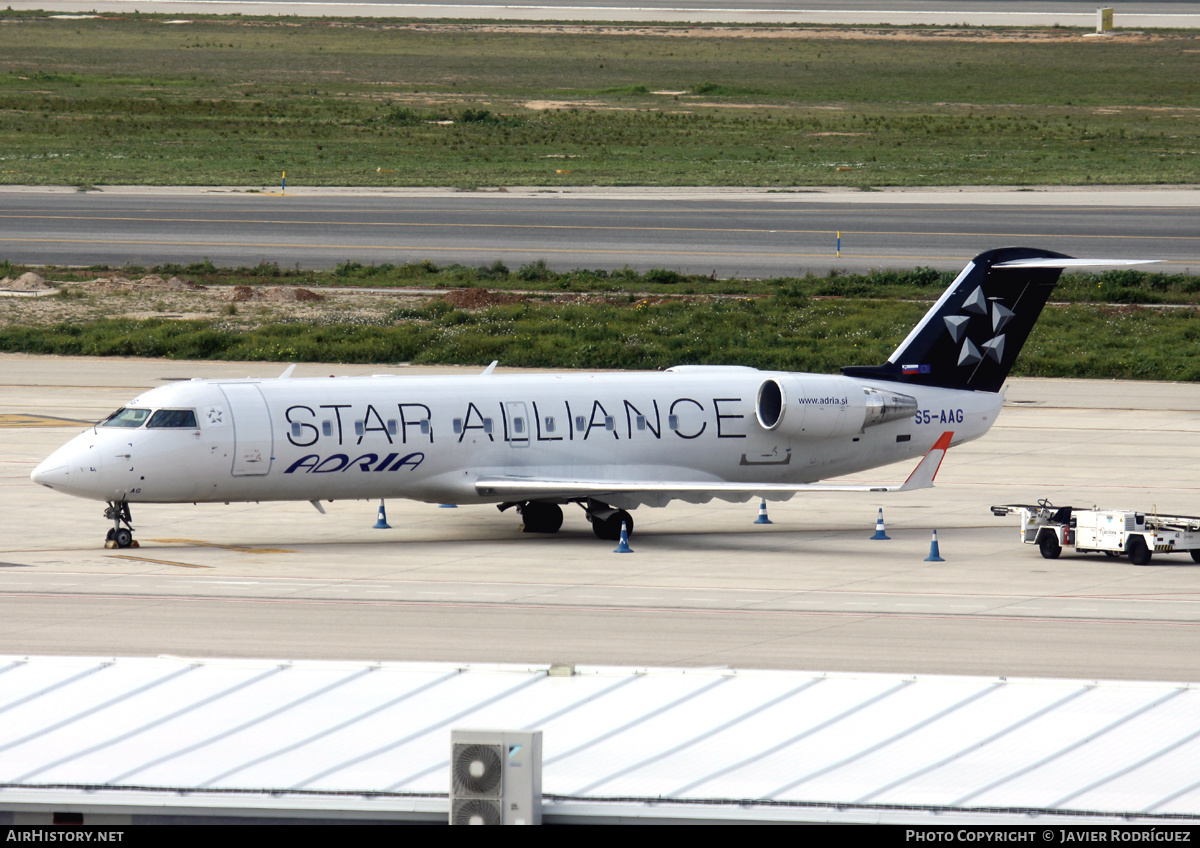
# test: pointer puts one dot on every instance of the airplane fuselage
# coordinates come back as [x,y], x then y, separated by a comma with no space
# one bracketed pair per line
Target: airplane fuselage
[431,438]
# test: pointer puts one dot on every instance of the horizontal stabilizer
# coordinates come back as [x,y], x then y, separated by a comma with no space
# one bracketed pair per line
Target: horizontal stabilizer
[1071,263]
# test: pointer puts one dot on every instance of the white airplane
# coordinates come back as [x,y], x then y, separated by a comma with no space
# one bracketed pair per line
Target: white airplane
[608,442]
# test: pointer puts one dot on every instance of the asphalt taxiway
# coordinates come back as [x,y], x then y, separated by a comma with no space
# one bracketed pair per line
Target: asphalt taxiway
[705,586]
[729,232]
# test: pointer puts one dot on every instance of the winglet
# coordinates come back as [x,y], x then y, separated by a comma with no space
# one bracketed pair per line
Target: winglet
[488,371]
[922,476]
[288,371]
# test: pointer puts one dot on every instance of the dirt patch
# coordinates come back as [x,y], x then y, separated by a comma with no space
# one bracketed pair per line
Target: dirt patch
[274,294]
[115,296]
[290,294]
[479,298]
[148,283]
[551,105]
[153,282]
[558,105]
[27,282]
[810,33]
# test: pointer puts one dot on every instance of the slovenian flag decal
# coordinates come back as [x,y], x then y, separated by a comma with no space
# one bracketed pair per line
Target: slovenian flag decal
[914,369]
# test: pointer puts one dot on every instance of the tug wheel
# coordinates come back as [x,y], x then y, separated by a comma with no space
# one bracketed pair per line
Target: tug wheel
[1139,554]
[1049,546]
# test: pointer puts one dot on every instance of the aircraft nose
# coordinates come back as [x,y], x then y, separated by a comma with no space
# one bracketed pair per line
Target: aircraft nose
[51,473]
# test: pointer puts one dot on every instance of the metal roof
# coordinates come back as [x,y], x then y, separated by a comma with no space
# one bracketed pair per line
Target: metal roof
[235,731]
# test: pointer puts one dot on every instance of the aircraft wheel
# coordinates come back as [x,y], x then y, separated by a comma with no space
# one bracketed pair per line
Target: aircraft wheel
[1049,546]
[122,537]
[542,517]
[1196,555]
[609,528]
[1139,554]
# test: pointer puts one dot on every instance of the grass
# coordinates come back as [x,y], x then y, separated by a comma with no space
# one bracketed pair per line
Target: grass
[1091,341]
[805,324]
[238,101]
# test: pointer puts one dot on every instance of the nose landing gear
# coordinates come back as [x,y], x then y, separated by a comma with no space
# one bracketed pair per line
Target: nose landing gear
[118,536]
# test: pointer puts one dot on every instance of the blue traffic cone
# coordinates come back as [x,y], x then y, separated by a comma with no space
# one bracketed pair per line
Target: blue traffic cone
[381,522]
[623,545]
[762,513]
[879,532]
[934,555]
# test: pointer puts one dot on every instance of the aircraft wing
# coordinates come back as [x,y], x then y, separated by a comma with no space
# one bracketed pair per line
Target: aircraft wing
[518,488]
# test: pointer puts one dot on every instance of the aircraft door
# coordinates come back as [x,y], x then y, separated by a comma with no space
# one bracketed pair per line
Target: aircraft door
[518,424]
[253,443]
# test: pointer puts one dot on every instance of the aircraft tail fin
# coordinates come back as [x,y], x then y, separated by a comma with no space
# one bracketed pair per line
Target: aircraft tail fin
[972,335]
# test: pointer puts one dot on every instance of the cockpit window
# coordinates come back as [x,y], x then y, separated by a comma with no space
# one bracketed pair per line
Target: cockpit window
[173,418]
[126,418]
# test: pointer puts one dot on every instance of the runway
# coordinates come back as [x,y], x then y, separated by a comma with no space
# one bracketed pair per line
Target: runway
[726,232]
[705,587]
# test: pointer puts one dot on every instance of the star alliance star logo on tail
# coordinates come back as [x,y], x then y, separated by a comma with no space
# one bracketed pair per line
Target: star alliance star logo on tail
[957,325]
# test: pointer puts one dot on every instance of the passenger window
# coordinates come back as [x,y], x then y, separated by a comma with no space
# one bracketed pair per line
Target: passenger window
[327,428]
[297,430]
[177,418]
[641,422]
[580,423]
[549,425]
[358,428]
[457,427]
[610,423]
[127,418]
[487,426]
[673,422]
[425,427]
[393,427]
[518,426]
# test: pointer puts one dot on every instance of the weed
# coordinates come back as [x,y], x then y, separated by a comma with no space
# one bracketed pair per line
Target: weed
[203,267]
[663,277]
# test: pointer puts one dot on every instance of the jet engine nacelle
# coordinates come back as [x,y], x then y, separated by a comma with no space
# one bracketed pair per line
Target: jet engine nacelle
[817,406]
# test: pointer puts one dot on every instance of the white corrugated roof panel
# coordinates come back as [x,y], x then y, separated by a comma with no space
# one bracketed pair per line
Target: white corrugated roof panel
[381,731]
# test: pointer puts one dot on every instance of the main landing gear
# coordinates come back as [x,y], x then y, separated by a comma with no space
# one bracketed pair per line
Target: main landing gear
[118,536]
[606,521]
[540,517]
[543,517]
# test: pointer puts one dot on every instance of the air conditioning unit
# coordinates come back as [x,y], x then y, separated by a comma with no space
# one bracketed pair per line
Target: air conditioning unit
[495,777]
